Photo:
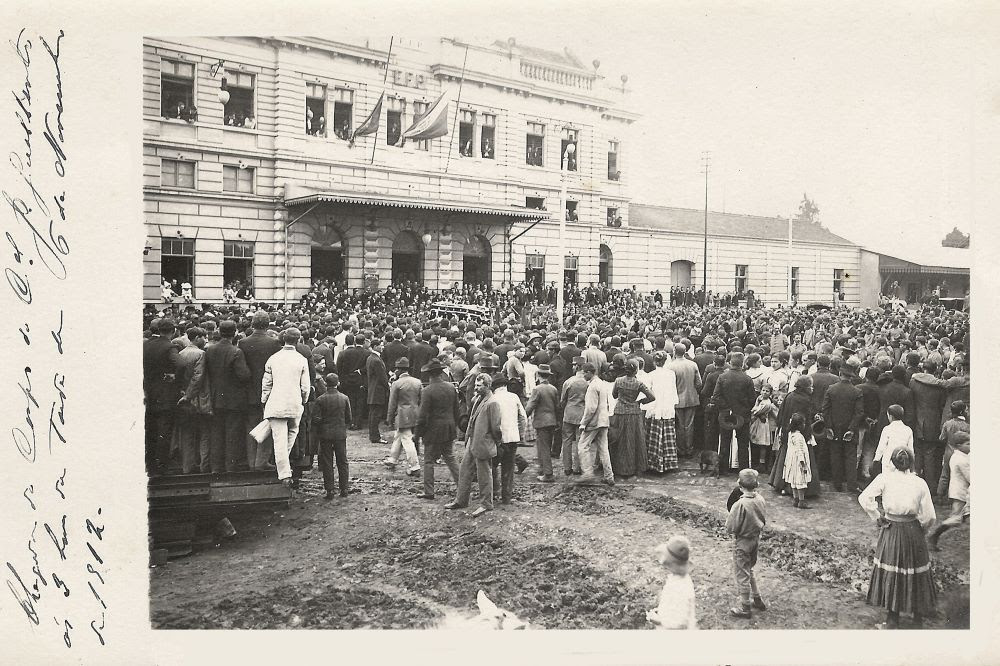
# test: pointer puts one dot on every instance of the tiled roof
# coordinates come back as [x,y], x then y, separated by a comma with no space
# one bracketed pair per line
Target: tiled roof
[565,58]
[692,221]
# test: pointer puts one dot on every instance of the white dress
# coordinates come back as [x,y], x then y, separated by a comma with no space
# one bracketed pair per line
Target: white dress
[793,474]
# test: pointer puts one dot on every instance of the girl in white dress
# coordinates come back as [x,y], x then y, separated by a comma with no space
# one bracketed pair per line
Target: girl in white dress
[796,472]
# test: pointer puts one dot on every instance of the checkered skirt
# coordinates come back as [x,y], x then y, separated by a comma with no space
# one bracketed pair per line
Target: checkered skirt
[661,444]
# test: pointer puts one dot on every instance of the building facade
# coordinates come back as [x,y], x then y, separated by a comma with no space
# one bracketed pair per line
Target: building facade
[251,177]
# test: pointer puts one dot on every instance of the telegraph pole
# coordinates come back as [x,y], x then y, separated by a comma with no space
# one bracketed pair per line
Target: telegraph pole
[706,161]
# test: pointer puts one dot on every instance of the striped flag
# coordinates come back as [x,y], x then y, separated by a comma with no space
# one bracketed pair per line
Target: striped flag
[432,123]
[370,125]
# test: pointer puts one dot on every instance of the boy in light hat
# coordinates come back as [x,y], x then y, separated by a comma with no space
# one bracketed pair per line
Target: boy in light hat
[676,607]
[745,522]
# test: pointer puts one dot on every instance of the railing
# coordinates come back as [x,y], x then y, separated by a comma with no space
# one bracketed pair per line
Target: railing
[556,76]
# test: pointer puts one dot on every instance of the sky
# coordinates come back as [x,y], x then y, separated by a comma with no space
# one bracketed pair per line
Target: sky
[877,113]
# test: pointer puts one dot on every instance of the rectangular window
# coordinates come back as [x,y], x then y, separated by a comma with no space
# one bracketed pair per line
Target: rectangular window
[838,280]
[177,262]
[537,203]
[571,213]
[570,138]
[614,219]
[741,278]
[466,133]
[570,269]
[238,179]
[419,109]
[237,266]
[394,121]
[315,109]
[534,271]
[795,282]
[487,141]
[613,172]
[177,173]
[343,113]
[177,90]
[239,110]
[535,141]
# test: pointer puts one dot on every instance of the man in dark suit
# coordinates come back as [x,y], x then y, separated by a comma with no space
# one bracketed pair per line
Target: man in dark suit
[710,440]
[421,353]
[395,350]
[351,364]
[378,391]
[228,376]
[928,400]
[542,407]
[843,410]
[823,379]
[573,349]
[437,424]
[734,398]
[160,360]
[257,348]
[894,391]
[324,350]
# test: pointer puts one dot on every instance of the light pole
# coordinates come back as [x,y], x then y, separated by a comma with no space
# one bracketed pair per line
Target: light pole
[560,298]
[791,293]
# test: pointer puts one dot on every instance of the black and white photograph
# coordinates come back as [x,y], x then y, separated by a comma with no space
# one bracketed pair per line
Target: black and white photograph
[525,317]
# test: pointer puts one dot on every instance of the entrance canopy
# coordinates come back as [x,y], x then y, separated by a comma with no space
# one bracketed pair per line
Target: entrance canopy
[365,199]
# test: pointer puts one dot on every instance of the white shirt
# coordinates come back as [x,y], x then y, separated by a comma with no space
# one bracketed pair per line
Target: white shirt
[958,485]
[676,607]
[512,415]
[894,435]
[663,383]
[903,494]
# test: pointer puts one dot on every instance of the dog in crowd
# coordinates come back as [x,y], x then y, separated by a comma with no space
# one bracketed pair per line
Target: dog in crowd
[710,462]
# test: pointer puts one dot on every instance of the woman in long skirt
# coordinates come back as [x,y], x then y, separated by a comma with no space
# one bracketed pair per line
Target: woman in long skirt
[661,435]
[900,503]
[628,455]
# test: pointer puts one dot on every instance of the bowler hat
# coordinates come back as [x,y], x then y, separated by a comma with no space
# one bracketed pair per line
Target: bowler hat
[486,362]
[434,365]
[730,420]
[544,370]
[403,363]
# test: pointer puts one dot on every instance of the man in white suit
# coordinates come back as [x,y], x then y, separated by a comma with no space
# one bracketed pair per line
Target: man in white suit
[284,390]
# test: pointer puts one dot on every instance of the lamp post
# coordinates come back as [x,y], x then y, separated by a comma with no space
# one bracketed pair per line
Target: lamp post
[560,298]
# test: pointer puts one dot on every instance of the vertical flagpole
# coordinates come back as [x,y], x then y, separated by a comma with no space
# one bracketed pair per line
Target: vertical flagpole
[451,144]
[385,77]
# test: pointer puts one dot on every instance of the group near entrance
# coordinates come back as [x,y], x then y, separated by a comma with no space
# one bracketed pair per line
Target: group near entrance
[342,253]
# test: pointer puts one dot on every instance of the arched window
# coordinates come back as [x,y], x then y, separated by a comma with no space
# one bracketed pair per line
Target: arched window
[604,265]
[407,258]
[477,261]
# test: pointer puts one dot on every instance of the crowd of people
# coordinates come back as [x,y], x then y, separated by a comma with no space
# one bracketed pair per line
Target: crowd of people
[626,386]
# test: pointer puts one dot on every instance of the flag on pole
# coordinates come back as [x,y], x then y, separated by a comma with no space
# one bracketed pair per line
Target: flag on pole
[432,123]
[370,125]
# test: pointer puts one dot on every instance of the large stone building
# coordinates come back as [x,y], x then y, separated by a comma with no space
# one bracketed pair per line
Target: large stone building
[249,176]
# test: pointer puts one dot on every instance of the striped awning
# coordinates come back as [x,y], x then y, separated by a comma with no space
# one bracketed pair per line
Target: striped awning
[362,199]
[925,270]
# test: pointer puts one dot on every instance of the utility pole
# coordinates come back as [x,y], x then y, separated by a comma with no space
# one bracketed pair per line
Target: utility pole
[706,162]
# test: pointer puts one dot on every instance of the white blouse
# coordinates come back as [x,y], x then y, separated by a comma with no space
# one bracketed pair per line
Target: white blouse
[676,609]
[663,383]
[903,494]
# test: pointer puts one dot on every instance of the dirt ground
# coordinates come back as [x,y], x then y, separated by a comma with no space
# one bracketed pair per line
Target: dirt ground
[561,556]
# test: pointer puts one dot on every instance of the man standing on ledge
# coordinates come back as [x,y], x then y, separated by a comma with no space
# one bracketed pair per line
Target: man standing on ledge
[285,389]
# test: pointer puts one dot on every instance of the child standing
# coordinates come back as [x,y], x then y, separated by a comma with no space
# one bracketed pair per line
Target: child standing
[331,416]
[762,422]
[951,432]
[676,607]
[796,472]
[745,522]
[958,490]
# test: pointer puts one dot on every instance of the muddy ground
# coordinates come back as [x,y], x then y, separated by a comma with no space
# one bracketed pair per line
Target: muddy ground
[560,556]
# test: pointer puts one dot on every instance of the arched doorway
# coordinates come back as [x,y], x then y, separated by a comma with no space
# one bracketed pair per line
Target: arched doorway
[327,257]
[477,261]
[604,265]
[407,258]
[680,273]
